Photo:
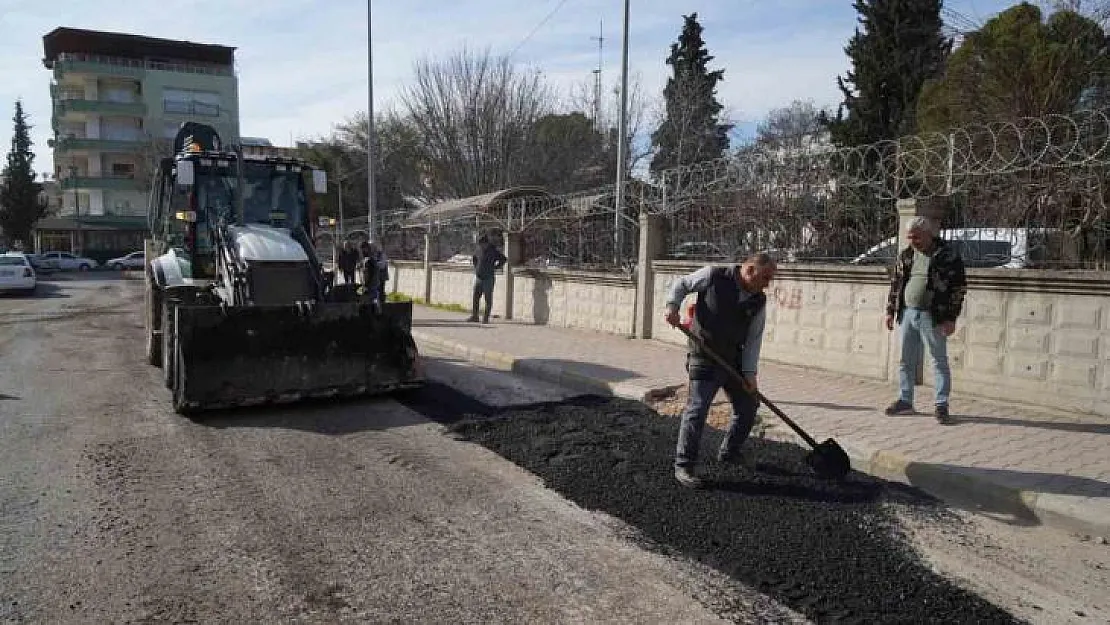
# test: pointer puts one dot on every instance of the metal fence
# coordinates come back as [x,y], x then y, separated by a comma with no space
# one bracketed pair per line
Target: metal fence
[1021,193]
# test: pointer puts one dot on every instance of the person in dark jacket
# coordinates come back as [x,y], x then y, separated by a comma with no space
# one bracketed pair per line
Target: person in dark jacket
[729,316]
[927,290]
[487,261]
[348,262]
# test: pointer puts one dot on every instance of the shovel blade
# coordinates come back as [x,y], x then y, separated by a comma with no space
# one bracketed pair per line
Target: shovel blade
[829,460]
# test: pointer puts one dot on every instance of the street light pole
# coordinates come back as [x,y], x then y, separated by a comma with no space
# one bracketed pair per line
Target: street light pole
[622,139]
[369,125]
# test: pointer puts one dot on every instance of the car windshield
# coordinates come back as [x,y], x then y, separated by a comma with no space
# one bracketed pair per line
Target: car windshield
[11,260]
[271,197]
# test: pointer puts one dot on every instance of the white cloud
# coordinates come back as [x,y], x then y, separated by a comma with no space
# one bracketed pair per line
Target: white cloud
[302,64]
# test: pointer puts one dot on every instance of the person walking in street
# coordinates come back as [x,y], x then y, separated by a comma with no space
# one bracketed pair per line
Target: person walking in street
[487,262]
[348,262]
[729,316]
[926,297]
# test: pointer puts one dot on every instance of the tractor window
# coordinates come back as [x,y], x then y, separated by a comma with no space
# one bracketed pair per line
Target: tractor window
[270,197]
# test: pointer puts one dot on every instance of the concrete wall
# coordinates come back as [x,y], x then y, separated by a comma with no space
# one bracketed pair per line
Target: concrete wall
[406,277]
[1038,337]
[826,317]
[575,299]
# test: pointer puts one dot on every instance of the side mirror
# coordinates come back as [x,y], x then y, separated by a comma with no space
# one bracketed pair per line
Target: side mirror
[320,181]
[186,176]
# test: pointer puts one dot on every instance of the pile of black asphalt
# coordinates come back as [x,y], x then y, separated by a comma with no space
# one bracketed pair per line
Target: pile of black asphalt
[830,550]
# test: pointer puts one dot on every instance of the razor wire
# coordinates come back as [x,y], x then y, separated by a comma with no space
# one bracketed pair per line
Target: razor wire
[924,166]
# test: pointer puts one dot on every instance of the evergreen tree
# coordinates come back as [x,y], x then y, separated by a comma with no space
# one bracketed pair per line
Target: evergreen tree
[20,206]
[691,131]
[901,46]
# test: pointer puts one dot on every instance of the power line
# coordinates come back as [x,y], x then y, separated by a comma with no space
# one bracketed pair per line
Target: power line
[538,27]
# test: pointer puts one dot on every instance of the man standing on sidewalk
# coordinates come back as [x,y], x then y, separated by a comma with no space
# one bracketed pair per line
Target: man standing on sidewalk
[729,316]
[926,296]
[486,263]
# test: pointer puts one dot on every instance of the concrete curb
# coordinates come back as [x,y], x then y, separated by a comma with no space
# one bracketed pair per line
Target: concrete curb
[961,487]
[557,374]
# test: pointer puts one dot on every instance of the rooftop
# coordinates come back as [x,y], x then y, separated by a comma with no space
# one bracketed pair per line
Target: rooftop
[75,40]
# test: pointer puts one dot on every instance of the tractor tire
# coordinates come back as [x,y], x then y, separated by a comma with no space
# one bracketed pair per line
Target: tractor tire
[153,316]
[179,385]
[169,357]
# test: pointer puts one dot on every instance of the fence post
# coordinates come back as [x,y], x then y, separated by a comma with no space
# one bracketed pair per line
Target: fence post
[429,245]
[513,253]
[651,240]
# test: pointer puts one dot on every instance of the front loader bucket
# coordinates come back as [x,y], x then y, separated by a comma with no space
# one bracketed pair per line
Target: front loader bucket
[228,357]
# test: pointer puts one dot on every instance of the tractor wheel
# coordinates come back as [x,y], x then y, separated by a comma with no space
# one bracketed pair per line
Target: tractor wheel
[153,319]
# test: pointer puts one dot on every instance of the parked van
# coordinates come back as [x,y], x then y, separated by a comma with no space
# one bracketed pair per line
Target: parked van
[1010,248]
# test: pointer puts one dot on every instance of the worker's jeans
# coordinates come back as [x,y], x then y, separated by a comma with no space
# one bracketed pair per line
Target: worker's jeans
[702,392]
[918,331]
[483,287]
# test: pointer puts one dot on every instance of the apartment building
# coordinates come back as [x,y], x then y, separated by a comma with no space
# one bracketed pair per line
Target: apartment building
[118,100]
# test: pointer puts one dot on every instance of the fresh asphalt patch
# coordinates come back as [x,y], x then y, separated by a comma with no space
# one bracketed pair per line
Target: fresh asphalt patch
[833,551]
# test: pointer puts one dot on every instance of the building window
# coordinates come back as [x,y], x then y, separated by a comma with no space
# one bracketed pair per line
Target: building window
[188,102]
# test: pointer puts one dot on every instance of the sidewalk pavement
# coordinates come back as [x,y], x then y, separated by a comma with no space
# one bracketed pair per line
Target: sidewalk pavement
[1020,464]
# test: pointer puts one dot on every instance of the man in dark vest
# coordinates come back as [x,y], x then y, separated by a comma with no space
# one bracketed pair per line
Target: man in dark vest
[729,316]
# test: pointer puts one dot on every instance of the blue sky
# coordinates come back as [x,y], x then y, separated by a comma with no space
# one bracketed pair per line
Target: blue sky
[302,63]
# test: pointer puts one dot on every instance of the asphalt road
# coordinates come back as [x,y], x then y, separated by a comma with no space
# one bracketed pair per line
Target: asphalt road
[114,509]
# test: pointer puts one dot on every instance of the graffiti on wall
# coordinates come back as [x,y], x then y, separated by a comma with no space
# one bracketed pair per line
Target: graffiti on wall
[787,297]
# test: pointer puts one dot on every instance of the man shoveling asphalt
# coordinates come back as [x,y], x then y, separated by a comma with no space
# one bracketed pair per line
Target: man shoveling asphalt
[729,315]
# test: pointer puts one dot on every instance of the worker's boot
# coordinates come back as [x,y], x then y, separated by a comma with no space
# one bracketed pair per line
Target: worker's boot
[687,478]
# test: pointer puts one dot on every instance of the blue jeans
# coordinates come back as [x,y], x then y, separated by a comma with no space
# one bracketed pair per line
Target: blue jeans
[702,392]
[918,331]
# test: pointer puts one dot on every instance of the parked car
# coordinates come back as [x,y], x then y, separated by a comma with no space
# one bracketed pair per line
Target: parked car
[43,265]
[71,262]
[1011,248]
[698,250]
[134,260]
[16,273]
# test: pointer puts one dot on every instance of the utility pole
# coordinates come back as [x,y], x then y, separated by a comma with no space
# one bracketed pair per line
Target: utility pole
[369,125]
[622,139]
[339,186]
[597,75]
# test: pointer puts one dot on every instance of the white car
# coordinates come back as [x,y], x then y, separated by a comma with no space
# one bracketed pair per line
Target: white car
[134,260]
[16,273]
[69,262]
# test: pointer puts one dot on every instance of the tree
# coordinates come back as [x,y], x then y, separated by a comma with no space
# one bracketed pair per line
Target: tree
[1019,65]
[690,130]
[474,114]
[21,203]
[582,99]
[568,154]
[900,46]
[791,128]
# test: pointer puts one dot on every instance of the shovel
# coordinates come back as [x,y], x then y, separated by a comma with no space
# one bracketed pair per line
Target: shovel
[828,459]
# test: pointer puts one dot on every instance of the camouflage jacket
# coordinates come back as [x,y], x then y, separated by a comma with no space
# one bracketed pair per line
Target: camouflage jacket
[946,287]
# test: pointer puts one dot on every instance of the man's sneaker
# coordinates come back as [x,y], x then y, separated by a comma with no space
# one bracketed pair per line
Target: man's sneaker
[942,414]
[687,478]
[899,407]
[472,319]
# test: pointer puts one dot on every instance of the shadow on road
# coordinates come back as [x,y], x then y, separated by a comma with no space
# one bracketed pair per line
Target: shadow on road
[1063,426]
[43,290]
[6,397]
[332,417]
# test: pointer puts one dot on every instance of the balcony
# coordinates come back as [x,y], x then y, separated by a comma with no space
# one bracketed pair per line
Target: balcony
[105,182]
[71,143]
[101,65]
[103,107]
